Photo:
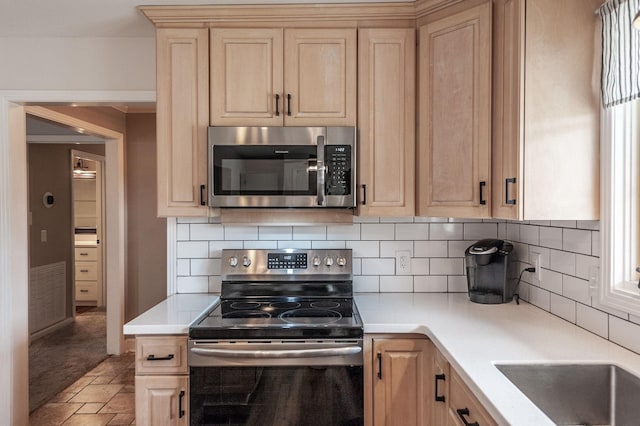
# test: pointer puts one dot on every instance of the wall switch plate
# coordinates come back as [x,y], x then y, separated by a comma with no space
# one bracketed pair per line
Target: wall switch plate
[403,262]
[43,235]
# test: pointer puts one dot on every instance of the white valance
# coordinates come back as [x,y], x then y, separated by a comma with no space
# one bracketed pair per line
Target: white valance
[620,52]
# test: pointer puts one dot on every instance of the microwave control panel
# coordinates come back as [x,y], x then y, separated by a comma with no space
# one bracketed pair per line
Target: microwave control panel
[337,159]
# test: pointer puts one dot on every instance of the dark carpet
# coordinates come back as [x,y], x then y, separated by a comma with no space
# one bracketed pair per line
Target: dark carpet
[58,359]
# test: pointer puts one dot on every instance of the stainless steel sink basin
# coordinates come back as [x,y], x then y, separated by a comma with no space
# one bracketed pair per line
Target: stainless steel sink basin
[579,394]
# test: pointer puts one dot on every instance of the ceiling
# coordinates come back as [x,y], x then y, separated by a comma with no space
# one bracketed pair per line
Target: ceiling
[97,18]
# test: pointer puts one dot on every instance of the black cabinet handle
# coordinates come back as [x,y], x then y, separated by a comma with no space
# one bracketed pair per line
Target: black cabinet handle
[152,357]
[482,200]
[364,194]
[277,105]
[379,366]
[462,413]
[180,406]
[202,203]
[289,104]
[507,181]
[439,398]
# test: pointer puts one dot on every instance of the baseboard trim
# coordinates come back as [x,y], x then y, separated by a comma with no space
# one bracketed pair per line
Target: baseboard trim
[50,329]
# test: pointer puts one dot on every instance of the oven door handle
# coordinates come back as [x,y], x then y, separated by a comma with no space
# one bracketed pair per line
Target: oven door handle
[288,353]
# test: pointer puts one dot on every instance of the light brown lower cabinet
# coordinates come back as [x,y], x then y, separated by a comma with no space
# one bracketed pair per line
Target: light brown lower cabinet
[398,370]
[162,381]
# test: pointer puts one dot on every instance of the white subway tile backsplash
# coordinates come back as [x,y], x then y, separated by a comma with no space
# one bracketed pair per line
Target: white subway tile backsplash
[513,231]
[550,280]
[183,267]
[502,231]
[366,219]
[378,266]
[192,249]
[215,284]
[584,264]
[206,232]
[551,237]
[343,232]
[192,220]
[457,284]
[446,231]
[563,307]
[288,244]
[366,284]
[216,247]
[205,267]
[593,320]
[539,222]
[419,266]
[576,240]
[576,289]
[593,225]
[255,245]
[430,284]
[530,234]
[235,232]
[564,223]
[405,219]
[595,243]
[389,248]
[562,261]
[457,248]
[364,248]
[446,266]
[539,297]
[396,284]
[309,232]
[412,231]
[192,284]
[356,265]
[328,244]
[624,333]
[182,232]
[424,219]
[274,233]
[430,248]
[480,231]
[377,231]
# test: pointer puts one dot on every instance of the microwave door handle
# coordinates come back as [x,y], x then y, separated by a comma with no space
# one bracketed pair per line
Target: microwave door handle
[321,170]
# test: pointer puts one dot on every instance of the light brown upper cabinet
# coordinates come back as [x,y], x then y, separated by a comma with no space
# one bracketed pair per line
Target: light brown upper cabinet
[290,77]
[182,104]
[386,111]
[546,110]
[454,117]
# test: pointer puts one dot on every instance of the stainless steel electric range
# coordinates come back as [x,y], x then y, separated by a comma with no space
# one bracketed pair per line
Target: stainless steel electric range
[283,346]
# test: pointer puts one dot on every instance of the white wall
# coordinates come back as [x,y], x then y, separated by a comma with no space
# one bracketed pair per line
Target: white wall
[96,63]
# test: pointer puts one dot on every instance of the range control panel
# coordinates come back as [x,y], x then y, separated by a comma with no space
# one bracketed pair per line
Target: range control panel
[287,260]
[338,169]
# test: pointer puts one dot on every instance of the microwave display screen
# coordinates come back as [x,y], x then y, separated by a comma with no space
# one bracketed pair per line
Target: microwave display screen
[265,170]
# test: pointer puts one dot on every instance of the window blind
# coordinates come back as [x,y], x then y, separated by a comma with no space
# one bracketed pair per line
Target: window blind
[620,52]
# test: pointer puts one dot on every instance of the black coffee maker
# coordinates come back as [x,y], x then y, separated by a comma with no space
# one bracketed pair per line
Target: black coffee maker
[491,271]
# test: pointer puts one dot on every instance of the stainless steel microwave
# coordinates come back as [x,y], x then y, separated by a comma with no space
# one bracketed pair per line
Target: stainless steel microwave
[282,166]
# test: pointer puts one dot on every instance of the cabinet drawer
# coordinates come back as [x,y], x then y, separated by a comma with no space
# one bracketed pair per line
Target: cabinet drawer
[86,271]
[86,290]
[86,253]
[161,355]
[463,404]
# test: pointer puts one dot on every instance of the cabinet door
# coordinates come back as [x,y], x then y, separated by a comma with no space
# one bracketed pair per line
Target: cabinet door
[455,114]
[182,120]
[162,400]
[386,74]
[441,380]
[402,374]
[320,77]
[246,77]
[508,45]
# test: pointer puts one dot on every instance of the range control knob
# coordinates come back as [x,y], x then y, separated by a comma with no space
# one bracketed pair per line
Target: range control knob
[316,261]
[233,261]
[328,260]
[246,261]
[341,261]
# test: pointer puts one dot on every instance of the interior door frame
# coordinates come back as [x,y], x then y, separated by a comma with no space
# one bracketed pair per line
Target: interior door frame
[14,254]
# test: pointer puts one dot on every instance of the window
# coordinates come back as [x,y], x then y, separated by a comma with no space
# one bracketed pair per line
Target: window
[620,221]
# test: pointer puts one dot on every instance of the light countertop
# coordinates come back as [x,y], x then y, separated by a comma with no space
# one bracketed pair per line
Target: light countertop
[171,316]
[471,336]
[474,337]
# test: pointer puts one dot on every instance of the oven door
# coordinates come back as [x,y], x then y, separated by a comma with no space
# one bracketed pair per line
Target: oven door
[261,383]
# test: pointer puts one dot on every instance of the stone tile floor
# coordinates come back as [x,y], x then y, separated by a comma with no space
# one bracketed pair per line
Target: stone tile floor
[103,396]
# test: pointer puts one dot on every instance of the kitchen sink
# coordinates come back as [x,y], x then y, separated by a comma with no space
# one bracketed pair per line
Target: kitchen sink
[579,394]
